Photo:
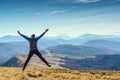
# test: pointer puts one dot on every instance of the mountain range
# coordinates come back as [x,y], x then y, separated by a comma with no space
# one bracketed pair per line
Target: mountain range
[10,38]
[81,50]
[106,44]
[71,57]
[97,62]
[60,51]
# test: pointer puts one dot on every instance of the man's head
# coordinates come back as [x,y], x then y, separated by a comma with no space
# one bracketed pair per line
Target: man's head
[33,35]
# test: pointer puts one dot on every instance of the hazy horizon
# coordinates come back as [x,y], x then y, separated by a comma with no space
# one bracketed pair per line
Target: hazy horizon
[67,36]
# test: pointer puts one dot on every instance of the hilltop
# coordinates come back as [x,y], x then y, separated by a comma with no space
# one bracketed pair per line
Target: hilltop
[56,74]
[110,62]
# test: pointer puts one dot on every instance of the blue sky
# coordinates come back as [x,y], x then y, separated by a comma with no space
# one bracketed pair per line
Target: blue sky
[70,17]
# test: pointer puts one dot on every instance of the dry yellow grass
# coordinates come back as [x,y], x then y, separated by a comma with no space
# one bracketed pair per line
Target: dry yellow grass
[56,74]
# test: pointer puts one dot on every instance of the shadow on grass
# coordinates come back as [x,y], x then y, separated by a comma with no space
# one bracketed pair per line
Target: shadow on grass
[34,75]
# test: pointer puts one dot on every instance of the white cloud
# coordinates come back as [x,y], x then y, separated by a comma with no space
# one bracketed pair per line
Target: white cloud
[85,1]
[57,11]
[52,12]
[81,1]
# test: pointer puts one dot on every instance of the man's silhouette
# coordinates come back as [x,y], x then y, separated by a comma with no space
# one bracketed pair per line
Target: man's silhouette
[33,48]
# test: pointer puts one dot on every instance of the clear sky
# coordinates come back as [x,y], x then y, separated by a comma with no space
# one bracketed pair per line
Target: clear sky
[71,17]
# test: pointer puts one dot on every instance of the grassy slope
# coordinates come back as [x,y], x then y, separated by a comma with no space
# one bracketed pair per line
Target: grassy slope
[56,74]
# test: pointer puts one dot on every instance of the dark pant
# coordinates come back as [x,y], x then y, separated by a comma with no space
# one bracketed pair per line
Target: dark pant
[31,54]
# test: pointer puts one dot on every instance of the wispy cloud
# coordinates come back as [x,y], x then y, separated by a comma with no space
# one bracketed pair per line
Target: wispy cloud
[80,1]
[51,12]
[86,1]
[57,11]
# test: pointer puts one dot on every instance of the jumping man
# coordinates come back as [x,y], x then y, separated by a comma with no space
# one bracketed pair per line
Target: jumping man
[33,48]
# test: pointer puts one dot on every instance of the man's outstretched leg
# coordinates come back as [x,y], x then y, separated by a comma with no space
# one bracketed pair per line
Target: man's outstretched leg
[28,59]
[43,59]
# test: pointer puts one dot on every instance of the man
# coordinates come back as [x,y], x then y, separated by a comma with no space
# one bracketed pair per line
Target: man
[33,48]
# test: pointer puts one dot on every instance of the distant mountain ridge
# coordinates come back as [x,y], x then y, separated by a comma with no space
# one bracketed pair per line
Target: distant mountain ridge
[101,43]
[80,50]
[95,46]
[10,38]
[82,46]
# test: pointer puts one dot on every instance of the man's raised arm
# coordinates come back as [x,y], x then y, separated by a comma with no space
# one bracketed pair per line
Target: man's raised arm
[42,34]
[23,35]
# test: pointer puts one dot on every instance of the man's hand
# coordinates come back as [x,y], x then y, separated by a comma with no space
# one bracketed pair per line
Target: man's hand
[18,32]
[46,30]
